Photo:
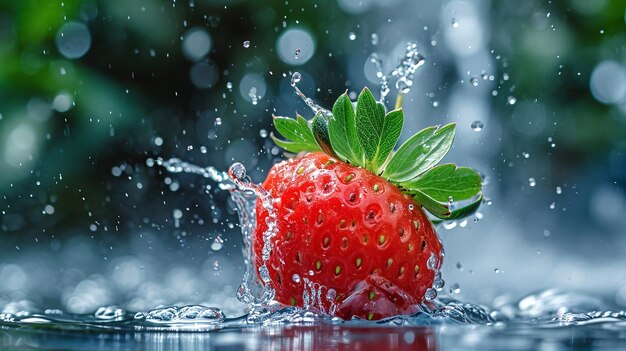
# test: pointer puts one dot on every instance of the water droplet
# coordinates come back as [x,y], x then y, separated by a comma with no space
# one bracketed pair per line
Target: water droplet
[229,86]
[217,244]
[351,36]
[559,190]
[374,39]
[477,126]
[296,278]
[253,97]
[297,53]
[238,171]
[455,289]
[435,103]
[331,294]
[430,294]
[455,24]
[295,78]
[531,181]
[263,133]
[496,270]
[474,81]
[217,122]
[552,206]
[511,100]
[178,214]
[246,44]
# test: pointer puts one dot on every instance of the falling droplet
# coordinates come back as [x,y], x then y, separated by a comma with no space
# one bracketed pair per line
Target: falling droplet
[455,289]
[253,97]
[374,39]
[474,81]
[477,126]
[295,78]
[217,244]
[246,44]
[296,278]
[511,100]
[531,181]
[351,36]
[455,24]
[558,190]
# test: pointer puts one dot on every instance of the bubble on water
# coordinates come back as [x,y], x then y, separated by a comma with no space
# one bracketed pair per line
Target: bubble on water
[477,126]
[292,40]
[532,181]
[295,78]
[217,244]
[559,190]
[374,38]
[351,36]
[196,43]
[474,81]
[246,44]
[73,40]
[511,100]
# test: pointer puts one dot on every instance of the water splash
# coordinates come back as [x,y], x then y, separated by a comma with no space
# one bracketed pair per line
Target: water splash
[245,200]
[403,72]
[295,79]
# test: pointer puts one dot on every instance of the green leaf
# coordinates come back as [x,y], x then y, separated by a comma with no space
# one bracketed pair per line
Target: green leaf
[319,126]
[297,132]
[468,209]
[370,118]
[392,127]
[420,153]
[442,210]
[342,131]
[447,181]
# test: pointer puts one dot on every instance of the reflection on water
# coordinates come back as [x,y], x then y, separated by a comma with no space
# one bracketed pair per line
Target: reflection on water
[549,320]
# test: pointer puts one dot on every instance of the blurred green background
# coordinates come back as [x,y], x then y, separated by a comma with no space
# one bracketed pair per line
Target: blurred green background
[90,90]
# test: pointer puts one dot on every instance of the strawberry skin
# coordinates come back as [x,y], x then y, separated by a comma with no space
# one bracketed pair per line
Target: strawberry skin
[349,230]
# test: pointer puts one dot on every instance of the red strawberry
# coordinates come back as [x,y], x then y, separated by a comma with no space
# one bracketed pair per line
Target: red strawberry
[356,243]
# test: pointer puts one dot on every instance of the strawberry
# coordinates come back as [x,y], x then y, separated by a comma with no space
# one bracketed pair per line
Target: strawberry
[352,238]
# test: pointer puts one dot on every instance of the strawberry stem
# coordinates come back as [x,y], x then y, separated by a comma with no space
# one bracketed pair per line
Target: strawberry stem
[399,100]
